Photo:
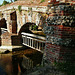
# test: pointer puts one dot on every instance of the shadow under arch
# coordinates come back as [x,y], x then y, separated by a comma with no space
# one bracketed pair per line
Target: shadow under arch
[25,28]
[3,24]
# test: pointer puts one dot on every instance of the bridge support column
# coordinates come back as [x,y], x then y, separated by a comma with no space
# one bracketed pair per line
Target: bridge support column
[6,41]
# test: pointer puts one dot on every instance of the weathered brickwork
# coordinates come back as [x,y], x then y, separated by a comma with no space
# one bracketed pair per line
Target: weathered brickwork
[60,34]
[6,39]
[57,21]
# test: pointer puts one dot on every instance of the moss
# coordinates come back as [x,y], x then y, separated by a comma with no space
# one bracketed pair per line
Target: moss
[42,1]
[19,8]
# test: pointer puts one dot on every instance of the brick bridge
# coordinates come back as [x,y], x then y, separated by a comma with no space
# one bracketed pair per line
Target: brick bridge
[16,19]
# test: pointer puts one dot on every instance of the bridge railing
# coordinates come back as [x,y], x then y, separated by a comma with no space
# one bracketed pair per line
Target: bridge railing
[34,41]
[3,30]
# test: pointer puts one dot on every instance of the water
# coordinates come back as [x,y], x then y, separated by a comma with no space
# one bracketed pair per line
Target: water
[11,64]
[14,63]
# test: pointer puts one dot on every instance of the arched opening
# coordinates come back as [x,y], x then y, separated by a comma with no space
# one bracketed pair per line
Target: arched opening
[13,18]
[24,28]
[3,24]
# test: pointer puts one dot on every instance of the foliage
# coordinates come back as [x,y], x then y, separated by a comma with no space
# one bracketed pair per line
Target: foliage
[29,10]
[42,1]
[68,67]
[0,5]
[19,8]
[5,2]
[34,27]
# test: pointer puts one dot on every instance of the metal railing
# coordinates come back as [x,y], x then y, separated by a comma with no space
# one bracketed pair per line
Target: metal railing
[33,41]
[3,30]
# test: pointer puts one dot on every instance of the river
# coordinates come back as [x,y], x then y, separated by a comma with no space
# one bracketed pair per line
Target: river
[17,62]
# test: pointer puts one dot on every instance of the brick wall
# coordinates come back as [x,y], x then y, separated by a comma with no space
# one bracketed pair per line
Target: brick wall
[60,38]
[6,39]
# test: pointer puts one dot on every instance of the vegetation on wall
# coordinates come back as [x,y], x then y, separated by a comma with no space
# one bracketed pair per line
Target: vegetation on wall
[29,9]
[19,8]
[5,2]
[34,27]
[42,1]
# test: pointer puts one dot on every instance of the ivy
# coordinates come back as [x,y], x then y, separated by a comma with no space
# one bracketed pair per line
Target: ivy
[19,8]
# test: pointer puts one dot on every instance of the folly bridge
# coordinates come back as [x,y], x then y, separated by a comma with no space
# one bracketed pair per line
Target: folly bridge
[17,18]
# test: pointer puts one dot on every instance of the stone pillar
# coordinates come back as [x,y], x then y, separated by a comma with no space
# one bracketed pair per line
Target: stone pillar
[60,38]
[6,42]
[6,39]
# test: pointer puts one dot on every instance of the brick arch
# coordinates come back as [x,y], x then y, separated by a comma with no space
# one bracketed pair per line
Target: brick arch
[25,28]
[3,24]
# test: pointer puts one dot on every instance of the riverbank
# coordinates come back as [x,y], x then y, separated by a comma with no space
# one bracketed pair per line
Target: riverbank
[10,48]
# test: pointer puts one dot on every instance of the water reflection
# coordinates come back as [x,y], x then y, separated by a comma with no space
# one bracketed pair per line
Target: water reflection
[17,65]
[11,64]
[17,62]
[2,71]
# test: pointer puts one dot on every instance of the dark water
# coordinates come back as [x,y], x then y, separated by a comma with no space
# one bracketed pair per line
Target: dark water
[11,63]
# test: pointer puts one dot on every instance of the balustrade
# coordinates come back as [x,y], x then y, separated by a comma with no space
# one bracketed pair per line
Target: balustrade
[3,30]
[34,41]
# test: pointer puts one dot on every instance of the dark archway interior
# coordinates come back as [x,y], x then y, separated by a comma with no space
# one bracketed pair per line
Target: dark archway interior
[25,28]
[3,24]
[13,18]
